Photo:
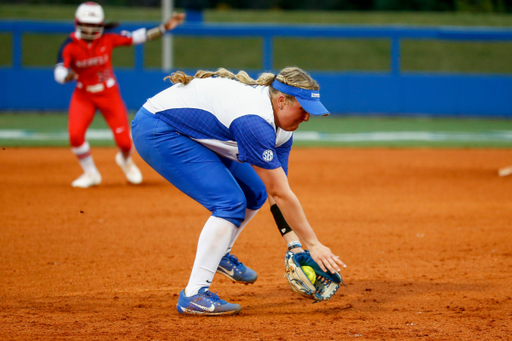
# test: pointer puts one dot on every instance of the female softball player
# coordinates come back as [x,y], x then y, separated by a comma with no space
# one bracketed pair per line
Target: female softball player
[86,56]
[224,140]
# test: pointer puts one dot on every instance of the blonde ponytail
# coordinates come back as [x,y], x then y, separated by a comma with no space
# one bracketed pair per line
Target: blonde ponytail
[292,76]
[179,77]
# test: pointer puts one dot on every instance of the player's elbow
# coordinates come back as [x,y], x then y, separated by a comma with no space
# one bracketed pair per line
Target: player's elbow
[279,193]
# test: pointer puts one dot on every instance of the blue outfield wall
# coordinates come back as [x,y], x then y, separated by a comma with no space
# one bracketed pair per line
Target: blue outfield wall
[386,93]
[347,93]
[36,89]
[417,94]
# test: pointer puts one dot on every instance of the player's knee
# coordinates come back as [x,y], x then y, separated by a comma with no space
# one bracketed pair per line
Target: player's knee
[76,140]
[257,197]
[124,143]
[233,210]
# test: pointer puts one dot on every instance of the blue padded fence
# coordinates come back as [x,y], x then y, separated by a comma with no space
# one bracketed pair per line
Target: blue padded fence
[386,93]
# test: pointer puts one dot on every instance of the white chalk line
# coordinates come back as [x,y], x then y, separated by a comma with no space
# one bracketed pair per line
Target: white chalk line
[388,136]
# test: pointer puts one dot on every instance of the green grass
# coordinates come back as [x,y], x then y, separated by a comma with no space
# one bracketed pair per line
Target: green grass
[476,127]
[332,54]
[362,18]
[213,53]
[56,123]
[317,54]
[5,55]
[62,12]
[355,124]
[454,56]
[49,123]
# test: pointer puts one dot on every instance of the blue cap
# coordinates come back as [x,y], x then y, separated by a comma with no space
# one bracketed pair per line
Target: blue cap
[308,99]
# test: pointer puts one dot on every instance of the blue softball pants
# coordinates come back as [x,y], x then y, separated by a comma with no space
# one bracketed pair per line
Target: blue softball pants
[223,186]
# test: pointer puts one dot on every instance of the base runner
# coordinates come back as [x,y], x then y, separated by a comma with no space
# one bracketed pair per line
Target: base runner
[86,56]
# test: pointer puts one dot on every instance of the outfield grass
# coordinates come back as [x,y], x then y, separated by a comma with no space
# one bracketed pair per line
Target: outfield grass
[318,54]
[431,132]
[63,12]
[50,129]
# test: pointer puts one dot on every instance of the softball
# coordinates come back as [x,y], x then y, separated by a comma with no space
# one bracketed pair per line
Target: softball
[310,273]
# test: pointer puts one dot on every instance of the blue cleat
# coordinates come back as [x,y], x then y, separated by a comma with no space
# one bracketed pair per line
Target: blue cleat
[205,303]
[233,269]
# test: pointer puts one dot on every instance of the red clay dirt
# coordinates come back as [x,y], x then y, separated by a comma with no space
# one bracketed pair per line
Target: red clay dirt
[426,235]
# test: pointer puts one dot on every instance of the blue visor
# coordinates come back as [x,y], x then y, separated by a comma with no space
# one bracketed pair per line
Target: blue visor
[309,100]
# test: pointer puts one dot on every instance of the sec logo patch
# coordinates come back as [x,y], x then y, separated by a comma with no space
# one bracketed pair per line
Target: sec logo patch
[268,155]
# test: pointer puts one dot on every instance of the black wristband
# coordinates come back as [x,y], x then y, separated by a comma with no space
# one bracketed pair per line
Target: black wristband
[281,223]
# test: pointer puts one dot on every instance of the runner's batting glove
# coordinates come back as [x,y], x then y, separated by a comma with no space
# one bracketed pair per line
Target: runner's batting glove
[326,283]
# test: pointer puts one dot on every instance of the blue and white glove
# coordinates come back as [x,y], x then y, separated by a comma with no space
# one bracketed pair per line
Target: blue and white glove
[326,283]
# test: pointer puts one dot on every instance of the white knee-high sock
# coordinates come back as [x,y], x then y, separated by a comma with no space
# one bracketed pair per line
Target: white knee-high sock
[249,214]
[83,153]
[213,242]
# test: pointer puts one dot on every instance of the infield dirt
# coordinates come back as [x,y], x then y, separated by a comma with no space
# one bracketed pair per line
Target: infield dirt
[426,235]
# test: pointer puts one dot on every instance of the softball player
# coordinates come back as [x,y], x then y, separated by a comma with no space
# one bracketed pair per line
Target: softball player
[224,140]
[86,56]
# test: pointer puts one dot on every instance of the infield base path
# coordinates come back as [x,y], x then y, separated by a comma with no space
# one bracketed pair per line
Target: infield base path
[426,235]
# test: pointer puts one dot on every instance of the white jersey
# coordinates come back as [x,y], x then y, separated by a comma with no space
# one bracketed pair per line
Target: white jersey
[232,119]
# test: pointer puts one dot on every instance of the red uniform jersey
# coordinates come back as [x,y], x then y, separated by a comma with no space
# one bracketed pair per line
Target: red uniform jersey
[92,61]
[96,87]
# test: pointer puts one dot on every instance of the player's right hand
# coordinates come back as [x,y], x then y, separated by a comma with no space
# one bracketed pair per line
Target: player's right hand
[327,261]
[175,20]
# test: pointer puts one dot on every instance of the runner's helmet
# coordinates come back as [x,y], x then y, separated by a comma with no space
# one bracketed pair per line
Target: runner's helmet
[89,19]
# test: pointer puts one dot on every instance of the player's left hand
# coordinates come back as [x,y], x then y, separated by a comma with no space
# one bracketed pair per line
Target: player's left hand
[175,20]
[70,76]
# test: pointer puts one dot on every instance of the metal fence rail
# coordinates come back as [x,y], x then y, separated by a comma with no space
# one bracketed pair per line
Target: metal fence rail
[269,32]
[392,92]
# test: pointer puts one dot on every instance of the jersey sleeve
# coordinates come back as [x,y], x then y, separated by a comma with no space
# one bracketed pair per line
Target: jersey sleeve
[256,140]
[120,39]
[283,154]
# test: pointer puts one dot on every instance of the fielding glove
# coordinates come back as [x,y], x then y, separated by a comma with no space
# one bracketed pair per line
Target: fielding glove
[326,283]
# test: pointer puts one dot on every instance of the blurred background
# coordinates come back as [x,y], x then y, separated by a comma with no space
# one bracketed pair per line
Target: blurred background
[496,6]
[393,73]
